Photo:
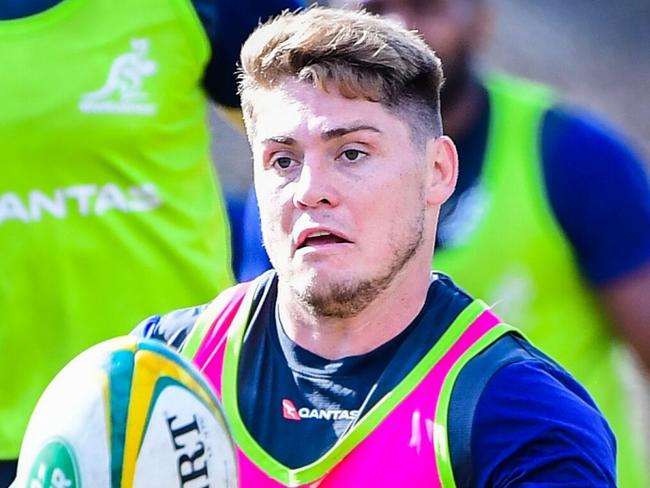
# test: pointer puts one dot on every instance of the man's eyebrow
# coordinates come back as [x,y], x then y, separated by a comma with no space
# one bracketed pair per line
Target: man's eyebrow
[341,131]
[286,140]
[326,135]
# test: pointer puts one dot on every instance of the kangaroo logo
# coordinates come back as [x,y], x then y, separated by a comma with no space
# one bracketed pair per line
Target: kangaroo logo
[123,91]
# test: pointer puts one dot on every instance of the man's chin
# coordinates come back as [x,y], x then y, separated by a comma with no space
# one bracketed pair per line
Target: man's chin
[332,301]
[334,296]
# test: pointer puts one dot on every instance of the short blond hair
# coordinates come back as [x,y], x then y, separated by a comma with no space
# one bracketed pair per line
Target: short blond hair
[363,55]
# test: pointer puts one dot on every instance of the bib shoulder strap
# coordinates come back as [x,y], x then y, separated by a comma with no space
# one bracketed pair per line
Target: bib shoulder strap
[464,399]
[215,318]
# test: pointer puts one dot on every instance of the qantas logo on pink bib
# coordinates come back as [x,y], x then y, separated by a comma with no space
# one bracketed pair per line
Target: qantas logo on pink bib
[290,412]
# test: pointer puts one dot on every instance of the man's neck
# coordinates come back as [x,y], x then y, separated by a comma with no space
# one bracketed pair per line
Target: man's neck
[333,338]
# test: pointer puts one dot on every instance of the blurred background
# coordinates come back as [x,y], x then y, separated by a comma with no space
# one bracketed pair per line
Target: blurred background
[595,52]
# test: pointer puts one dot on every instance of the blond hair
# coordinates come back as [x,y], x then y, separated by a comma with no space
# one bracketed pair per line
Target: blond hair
[361,54]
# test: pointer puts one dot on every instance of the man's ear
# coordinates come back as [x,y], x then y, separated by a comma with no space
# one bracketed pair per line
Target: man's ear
[442,159]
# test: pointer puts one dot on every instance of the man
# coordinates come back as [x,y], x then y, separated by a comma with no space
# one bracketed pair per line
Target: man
[351,364]
[107,189]
[550,219]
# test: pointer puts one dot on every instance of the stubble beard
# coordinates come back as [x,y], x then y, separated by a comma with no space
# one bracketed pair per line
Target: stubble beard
[348,299]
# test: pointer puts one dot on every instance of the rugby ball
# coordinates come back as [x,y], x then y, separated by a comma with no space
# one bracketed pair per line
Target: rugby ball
[127,413]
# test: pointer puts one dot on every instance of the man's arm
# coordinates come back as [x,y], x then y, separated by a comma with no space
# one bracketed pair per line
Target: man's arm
[600,194]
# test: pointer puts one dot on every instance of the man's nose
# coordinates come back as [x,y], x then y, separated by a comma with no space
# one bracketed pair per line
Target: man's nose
[315,186]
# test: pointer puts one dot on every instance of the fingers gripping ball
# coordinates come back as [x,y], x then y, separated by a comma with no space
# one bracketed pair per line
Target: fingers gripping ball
[127,413]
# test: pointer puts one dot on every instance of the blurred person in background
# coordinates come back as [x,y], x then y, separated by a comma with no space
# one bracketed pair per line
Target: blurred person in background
[550,219]
[107,190]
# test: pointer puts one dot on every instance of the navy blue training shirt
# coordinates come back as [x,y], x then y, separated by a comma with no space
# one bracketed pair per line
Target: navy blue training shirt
[518,419]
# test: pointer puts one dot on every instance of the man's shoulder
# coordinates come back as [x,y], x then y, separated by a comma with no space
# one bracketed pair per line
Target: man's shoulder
[171,328]
[174,327]
[512,364]
[515,407]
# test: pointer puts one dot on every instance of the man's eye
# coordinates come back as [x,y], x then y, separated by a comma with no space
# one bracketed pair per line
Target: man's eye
[353,154]
[283,162]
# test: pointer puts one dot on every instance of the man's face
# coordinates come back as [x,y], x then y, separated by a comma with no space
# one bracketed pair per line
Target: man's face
[450,27]
[342,194]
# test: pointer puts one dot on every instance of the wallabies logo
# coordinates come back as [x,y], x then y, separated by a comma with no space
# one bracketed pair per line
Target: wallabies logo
[54,467]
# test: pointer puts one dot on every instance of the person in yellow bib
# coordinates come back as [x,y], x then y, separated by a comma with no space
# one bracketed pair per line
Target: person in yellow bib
[109,205]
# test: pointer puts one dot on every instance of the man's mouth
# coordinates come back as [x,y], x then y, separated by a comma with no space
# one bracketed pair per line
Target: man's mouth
[322,238]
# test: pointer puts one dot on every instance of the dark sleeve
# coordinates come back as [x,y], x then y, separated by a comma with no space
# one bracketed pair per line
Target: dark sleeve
[599,193]
[535,426]
[171,328]
[228,23]
[253,260]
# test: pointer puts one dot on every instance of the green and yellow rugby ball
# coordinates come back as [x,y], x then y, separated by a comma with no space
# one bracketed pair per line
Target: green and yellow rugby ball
[127,413]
